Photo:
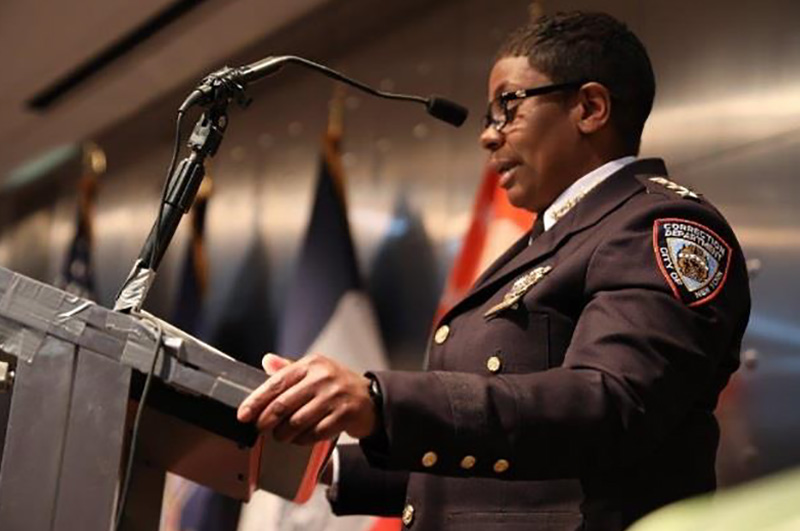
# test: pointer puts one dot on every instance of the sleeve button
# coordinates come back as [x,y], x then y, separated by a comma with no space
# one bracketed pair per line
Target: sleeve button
[501,465]
[468,462]
[429,459]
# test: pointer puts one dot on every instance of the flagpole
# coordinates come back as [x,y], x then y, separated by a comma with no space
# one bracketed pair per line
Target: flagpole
[77,275]
[94,164]
[333,139]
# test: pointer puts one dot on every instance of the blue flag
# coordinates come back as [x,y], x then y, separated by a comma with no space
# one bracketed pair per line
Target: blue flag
[327,311]
[197,508]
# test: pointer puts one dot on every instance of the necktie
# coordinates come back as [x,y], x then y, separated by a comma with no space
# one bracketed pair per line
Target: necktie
[538,228]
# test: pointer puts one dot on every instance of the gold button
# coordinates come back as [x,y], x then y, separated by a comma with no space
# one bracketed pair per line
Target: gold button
[468,462]
[441,334]
[501,465]
[493,364]
[408,514]
[429,459]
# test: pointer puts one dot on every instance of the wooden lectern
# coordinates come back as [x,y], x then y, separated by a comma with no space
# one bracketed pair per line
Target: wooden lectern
[71,373]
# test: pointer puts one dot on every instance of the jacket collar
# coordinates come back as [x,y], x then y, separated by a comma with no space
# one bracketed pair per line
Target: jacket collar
[580,188]
[597,204]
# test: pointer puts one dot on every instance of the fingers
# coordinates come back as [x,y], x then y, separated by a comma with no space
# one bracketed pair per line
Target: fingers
[272,363]
[276,384]
[303,419]
[283,407]
[309,400]
[327,428]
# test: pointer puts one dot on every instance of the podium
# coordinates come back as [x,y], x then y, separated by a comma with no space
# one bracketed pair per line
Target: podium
[71,374]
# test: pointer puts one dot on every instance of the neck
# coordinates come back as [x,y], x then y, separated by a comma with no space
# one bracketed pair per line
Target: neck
[589,161]
[598,153]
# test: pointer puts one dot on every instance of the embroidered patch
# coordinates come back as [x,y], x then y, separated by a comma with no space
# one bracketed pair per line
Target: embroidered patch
[693,259]
[519,288]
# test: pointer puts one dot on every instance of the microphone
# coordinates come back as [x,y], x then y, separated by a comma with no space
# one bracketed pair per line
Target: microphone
[229,83]
[446,110]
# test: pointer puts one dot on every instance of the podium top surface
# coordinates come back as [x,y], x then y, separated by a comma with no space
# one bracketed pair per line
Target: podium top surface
[31,310]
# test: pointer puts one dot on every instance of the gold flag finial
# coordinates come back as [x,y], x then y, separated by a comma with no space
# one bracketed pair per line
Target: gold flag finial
[535,9]
[93,158]
[93,164]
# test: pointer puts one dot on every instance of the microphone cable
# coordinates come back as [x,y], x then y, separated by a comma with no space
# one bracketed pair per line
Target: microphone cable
[126,481]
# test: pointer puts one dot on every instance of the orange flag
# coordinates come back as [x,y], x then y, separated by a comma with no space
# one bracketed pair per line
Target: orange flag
[495,225]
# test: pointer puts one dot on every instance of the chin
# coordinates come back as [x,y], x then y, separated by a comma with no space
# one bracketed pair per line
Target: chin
[518,200]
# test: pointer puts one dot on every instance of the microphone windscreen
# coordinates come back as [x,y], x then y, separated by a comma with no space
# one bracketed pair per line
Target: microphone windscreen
[447,111]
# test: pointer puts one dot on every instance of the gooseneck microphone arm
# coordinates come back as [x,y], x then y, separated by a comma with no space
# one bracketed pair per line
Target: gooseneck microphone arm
[230,83]
[215,92]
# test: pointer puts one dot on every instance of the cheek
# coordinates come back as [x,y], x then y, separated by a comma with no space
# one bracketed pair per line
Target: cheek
[545,144]
[526,142]
[533,135]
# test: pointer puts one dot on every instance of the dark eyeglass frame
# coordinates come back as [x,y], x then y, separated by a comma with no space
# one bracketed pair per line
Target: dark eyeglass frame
[521,94]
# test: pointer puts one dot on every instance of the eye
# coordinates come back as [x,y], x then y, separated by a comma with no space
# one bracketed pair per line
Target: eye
[511,109]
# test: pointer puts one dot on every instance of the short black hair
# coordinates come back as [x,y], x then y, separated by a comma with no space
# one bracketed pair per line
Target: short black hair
[577,46]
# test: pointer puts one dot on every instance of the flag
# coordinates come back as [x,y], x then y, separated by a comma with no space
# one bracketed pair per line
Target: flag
[495,225]
[405,291]
[327,312]
[188,312]
[77,274]
[188,506]
[244,328]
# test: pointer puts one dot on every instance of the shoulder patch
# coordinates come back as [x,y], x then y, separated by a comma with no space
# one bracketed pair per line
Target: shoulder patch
[672,186]
[692,257]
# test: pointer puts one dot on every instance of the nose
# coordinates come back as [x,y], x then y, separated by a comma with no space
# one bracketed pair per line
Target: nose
[491,139]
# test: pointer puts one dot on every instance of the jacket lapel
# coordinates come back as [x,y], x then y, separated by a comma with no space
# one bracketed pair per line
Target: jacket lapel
[517,247]
[601,201]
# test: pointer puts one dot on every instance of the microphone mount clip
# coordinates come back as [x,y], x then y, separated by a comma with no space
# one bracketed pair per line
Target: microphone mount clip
[224,85]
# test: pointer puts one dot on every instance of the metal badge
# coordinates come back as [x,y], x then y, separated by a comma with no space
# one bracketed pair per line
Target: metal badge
[519,288]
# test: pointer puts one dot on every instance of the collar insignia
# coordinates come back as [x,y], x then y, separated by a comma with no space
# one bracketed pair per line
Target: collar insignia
[564,209]
[519,288]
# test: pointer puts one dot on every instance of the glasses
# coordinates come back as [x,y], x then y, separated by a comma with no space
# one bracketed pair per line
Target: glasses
[498,114]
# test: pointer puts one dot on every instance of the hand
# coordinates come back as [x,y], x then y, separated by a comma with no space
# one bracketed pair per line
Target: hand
[312,399]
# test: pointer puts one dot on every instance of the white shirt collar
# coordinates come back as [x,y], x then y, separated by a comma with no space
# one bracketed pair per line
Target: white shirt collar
[577,190]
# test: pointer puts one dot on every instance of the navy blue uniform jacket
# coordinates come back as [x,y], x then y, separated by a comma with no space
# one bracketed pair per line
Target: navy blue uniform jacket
[574,386]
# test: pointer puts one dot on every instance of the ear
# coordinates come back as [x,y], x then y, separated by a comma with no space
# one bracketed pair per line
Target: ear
[594,107]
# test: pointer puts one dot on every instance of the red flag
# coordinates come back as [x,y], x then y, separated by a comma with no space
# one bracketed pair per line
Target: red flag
[495,225]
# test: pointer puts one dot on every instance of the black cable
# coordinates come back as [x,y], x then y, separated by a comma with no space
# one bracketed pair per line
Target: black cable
[175,151]
[164,189]
[126,481]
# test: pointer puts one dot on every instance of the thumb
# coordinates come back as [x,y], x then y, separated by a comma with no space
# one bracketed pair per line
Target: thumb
[272,363]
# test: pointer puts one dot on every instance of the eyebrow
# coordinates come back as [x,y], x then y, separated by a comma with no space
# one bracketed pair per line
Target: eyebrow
[509,86]
[502,88]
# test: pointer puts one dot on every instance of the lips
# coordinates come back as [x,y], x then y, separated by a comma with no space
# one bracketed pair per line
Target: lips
[505,169]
